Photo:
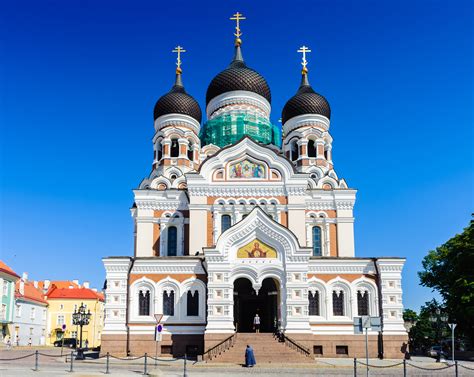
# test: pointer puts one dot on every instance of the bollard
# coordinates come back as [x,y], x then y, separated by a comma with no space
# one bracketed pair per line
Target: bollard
[145,371]
[72,362]
[185,373]
[456,367]
[107,364]
[36,361]
[404,368]
[355,367]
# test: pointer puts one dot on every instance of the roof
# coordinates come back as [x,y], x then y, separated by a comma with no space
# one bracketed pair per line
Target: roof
[7,270]
[74,293]
[59,284]
[30,293]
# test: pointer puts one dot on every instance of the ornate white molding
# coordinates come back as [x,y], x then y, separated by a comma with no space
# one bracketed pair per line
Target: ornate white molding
[238,97]
[318,205]
[345,204]
[236,190]
[311,120]
[177,120]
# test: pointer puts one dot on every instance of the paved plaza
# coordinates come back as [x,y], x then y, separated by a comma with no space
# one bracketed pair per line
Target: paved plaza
[51,364]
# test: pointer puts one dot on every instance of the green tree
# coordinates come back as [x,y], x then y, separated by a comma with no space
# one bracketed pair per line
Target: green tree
[450,270]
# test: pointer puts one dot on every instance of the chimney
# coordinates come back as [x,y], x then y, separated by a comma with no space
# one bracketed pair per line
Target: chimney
[25,276]
[85,284]
[35,283]
[46,285]
[22,287]
[76,282]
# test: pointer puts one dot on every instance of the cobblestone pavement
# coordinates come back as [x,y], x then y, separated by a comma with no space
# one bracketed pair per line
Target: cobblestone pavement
[51,364]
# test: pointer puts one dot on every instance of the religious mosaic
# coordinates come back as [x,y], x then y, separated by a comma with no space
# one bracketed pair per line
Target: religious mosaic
[247,169]
[256,249]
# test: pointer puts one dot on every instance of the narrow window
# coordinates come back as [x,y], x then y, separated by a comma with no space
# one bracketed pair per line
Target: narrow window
[338,303]
[159,151]
[294,151]
[143,302]
[326,154]
[193,303]
[174,148]
[225,223]
[168,303]
[313,303]
[172,241]
[317,241]
[311,149]
[190,151]
[363,302]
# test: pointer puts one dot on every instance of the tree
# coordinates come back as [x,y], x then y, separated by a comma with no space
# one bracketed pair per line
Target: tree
[450,270]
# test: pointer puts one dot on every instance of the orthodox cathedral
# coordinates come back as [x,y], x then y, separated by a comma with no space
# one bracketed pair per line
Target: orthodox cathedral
[242,217]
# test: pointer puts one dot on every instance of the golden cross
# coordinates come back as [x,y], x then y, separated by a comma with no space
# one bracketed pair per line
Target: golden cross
[178,49]
[304,62]
[237,18]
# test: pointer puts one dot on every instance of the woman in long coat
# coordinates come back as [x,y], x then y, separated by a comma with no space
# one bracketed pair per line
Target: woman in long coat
[249,357]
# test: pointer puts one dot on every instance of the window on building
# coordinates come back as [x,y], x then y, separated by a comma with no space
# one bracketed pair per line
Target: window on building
[172,241]
[317,249]
[159,149]
[168,303]
[144,302]
[5,287]
[225,223]
[32,313]
[313,303]
[3,312]
[342,350]
[60,320]
[174,148]
[31,330]
[363,302]
[294,151]
[338,303]
[326,154]
[193,303]
[190,151]
[311,148]
[74,334]
[318,350]
[18,310]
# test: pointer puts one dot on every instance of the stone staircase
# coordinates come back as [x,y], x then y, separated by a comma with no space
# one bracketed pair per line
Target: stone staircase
[267,349]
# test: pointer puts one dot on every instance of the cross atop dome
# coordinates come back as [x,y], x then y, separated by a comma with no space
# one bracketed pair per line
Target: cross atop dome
[237,17]
[303,49]
[179,50]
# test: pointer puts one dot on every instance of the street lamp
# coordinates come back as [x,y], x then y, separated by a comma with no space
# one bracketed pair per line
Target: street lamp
[81,318]
[408,325]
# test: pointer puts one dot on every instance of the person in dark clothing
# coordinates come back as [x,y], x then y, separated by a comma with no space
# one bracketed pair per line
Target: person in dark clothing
[249,357]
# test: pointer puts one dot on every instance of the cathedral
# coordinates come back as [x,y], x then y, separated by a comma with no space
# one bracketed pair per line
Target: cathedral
[240,217]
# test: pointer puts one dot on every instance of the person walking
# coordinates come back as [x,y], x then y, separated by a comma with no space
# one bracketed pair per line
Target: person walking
[249,357]
[30,342]
[256,323]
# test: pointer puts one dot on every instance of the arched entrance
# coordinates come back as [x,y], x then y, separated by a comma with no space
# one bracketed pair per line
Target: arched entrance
[247,303]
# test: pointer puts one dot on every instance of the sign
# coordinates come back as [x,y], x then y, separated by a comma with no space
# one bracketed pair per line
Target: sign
[366,322]
[373,323]
[158,337]
[158,317]
[63,327]
[159,328]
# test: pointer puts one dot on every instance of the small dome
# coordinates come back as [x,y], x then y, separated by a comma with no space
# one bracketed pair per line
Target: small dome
[238,77]
[305,101]
[177,101]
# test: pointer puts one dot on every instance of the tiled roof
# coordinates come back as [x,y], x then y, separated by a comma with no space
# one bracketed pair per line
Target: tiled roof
[30,293]
[59,284]
[79,293]
[6,269]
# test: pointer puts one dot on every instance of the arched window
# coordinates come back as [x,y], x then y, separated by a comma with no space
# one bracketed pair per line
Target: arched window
[172,241]
[225,223]
[326,154]
[159,149]
[338,303]
[317,241]
[363,302]
[168,302]
[311,149]
[190,151]
[174,148]
[294,151]
[143,302]
[193,303]
[313,303]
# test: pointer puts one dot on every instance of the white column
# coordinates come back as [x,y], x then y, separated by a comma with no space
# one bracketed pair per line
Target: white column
[144,221]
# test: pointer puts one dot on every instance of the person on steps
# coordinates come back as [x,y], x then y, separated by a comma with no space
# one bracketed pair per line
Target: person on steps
[256,323]
[249,357]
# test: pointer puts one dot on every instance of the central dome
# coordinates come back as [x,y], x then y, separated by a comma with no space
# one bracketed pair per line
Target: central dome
[238,77]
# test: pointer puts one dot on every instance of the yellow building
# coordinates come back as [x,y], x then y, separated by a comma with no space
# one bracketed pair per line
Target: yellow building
[63,299]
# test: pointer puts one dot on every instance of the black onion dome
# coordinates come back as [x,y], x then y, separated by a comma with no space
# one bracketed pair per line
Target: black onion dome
[305,101]
[237,76]
[177,101]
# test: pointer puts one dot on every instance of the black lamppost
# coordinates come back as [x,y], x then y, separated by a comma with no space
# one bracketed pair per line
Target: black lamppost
[81,318]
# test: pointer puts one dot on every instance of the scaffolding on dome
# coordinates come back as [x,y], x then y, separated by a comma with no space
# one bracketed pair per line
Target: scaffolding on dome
[229,128]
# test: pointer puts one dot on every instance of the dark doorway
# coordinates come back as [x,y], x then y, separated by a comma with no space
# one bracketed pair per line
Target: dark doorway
[247,303]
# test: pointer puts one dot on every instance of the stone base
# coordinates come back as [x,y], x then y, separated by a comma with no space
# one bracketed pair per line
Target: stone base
[114,344]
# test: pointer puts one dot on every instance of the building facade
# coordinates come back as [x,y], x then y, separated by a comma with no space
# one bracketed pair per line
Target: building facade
[63,301]
[30,317]
[8,277]
[238,218]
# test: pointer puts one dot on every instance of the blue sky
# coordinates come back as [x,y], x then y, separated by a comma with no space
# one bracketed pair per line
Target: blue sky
[79,80]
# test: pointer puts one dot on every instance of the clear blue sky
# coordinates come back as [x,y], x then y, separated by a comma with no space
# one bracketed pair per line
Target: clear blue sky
[79,80]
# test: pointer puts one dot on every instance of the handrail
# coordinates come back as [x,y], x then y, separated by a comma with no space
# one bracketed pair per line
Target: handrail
[294,345]
[219,348]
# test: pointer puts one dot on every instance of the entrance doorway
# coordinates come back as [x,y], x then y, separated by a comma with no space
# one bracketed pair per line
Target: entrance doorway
[247,303]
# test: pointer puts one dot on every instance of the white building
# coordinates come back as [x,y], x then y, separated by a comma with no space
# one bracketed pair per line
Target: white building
[237,218]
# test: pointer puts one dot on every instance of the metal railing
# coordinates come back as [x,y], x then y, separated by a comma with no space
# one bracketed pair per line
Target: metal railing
[219,348]
[293,344]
